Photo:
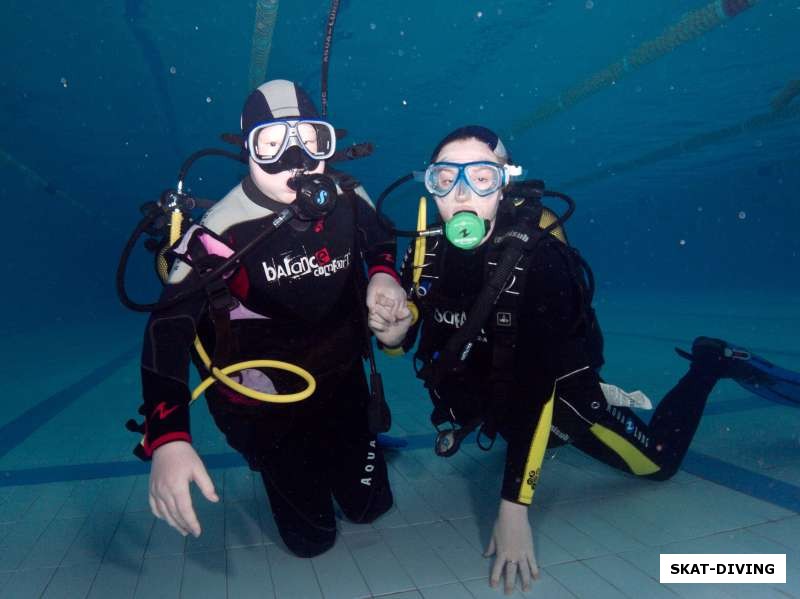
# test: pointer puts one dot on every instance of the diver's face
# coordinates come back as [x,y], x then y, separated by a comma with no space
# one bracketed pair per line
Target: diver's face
[461,197]
[276,186]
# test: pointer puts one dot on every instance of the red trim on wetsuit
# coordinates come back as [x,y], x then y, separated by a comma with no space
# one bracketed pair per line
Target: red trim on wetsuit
[150,447]
[384,269]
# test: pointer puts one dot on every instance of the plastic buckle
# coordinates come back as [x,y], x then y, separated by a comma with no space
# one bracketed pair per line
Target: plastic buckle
[219,296]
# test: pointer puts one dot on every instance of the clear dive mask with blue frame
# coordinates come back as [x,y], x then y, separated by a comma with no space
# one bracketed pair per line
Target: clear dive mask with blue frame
[466,224]
[482,177]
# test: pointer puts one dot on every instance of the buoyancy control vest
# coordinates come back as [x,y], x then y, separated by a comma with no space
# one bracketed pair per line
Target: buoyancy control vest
[456,328]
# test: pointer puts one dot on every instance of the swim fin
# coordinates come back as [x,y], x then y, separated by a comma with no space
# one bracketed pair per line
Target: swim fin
[752,372]
[772,382]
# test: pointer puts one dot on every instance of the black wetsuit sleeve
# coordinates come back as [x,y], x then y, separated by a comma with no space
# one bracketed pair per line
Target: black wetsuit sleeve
[380,247]
[166,356]
[551,344]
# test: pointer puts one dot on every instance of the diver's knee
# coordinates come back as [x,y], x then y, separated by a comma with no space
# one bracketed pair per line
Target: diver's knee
[663,474]
[303,546]
[376,508]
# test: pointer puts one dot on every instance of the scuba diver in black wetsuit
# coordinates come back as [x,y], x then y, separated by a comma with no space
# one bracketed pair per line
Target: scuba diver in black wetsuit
[509,342]
[298,296]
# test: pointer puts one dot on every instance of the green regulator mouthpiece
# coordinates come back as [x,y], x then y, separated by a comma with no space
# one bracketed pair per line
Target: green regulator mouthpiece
[465,230]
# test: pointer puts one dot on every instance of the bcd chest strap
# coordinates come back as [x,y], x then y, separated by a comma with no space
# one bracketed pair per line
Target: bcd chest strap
[496,310]
[512,244]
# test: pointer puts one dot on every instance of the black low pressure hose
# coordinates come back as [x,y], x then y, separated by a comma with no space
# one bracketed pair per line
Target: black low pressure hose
[562,218]
[326,56]
[384,221]
[204,280]
[157,211]
[143,225]
[187,164]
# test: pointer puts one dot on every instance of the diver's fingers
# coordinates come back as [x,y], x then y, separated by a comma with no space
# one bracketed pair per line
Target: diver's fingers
[525,571]
[167,516]
[154,507]
[490,549]
[511,576]
[386,313]
[497,571]
[385,300]
[175,513]
[183,504]
[401,311]
[534,567]
[376,298]
[376,323]
[204,482]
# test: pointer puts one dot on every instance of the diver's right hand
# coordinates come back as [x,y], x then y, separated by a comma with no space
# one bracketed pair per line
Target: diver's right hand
[390,332]
[175,465]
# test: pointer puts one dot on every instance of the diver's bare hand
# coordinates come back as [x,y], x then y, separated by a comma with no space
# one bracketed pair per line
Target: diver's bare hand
[385,297]
[512,542]
[175,466]
[390,333]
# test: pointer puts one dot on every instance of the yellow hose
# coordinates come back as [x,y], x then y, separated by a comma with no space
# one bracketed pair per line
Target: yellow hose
[220,375]
[420,247]
[420,242]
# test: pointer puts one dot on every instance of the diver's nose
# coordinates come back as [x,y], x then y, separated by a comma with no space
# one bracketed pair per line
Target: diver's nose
[462,192]
[293,157]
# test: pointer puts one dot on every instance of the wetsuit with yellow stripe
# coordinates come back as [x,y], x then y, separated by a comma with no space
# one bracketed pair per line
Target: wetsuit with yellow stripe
[546,391]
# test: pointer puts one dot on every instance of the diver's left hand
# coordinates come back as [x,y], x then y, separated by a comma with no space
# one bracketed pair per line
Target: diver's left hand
[391,334]
[386,298]
[512,542]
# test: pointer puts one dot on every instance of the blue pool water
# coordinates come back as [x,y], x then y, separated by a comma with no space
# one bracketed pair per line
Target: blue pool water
[685,168]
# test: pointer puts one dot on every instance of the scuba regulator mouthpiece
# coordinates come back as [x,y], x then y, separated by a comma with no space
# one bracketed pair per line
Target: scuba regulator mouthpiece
[466,230]
[315,196]
[292,158]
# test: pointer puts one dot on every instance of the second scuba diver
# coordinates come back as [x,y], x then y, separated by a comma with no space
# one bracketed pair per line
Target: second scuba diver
[295,297]
[510,344]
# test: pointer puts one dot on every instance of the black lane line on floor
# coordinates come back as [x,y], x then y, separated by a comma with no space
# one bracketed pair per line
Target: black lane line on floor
[759,486]
[686,344]
[766,488]
[23,426]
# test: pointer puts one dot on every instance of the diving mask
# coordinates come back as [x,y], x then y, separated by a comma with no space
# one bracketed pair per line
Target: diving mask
[482,177]
[267,142]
